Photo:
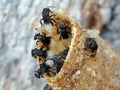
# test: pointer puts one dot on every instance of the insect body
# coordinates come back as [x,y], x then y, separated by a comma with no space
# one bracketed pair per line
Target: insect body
[43,69]
[45,40]
[39,52]
[64,31]
[91,44]
[59,60]
[47,87]
[46,16]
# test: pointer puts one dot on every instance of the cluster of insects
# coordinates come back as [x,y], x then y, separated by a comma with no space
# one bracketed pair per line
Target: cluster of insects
[51,65]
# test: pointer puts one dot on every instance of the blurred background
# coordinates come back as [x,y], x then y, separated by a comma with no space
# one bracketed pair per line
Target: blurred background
[18,18]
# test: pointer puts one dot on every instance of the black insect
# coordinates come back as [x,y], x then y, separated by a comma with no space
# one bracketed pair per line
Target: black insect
[39,52]
[43,69]
[43,38]
[59,60]
[59,65]
[47,14]
[91,44]
[64,31]
[47,87]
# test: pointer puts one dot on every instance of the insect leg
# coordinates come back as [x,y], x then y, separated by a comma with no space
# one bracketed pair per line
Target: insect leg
[44,34]
[60,37]
[52,15]
[41,21]
[53,20]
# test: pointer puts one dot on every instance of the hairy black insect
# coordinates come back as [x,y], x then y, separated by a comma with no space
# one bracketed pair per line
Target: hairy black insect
[59,60]
[64,31]
[43,38]
[39,52]
[43,69]
[91,44]
[47,17]
[61,55]
[47,87]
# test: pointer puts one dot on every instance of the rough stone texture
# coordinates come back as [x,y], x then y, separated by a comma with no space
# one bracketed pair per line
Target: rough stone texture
[18,18]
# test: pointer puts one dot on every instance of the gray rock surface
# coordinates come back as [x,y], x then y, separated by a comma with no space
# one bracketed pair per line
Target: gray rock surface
[18,18]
